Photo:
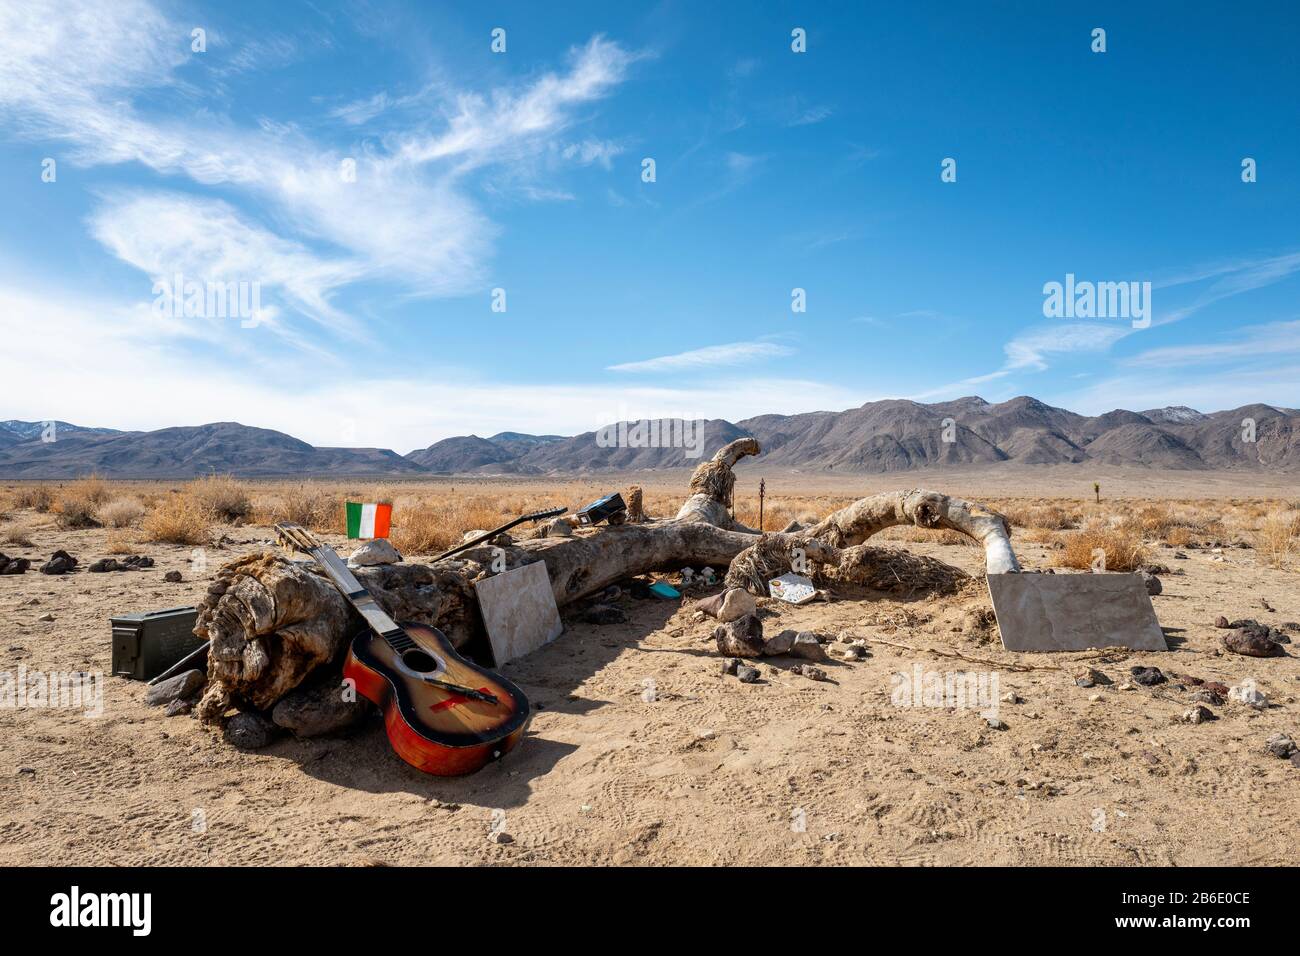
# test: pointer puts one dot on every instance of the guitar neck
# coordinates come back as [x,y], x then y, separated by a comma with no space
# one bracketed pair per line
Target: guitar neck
[342,578]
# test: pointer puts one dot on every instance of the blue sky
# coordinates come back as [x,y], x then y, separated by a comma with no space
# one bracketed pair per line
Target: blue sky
[522,171]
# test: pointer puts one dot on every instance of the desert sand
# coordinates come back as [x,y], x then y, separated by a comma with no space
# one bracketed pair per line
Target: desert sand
[642,752]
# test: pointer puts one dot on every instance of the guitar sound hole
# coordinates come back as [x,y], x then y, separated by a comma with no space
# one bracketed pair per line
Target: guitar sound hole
[419,661]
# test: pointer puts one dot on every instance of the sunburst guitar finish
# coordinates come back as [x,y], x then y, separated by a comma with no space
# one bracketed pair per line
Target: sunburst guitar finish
[444,715]
[432,727]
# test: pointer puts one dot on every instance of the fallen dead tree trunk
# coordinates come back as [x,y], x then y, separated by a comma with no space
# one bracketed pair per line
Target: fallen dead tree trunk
[272,621]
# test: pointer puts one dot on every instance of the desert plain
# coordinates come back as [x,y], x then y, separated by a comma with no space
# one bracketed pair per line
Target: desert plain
[641,751]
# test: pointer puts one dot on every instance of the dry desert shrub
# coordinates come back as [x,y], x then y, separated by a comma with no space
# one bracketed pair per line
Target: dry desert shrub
[121,512]
[436,524]
[1046,517]
[310,505]
[222,495]
[1278,538]
[178,519]
[18,535]
[1120,543]
[76,507]
[36,497]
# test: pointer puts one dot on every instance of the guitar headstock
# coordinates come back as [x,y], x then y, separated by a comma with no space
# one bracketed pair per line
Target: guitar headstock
[296,537]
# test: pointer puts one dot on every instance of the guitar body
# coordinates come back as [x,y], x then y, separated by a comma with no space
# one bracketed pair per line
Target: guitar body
[434,728]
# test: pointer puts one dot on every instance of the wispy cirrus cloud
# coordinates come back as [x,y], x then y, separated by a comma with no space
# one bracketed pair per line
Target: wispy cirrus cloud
[402,212]
[712,356]
[1253,343]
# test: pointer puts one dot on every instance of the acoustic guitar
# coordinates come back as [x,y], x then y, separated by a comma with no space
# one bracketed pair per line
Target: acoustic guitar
[443,714]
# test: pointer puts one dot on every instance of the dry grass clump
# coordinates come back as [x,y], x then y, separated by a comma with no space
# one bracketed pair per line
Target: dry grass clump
[18,536]
[1045,517]
[307,504]
[119,542]
[223,496]
[1120,543]
[178,519]
[1278,538]
[78,503]
[435,524]
[121,512]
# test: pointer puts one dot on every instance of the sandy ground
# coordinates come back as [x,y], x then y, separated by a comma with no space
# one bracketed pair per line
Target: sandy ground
[703,770]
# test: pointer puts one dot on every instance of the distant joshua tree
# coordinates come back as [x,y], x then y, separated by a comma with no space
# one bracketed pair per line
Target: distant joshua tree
[1096,490]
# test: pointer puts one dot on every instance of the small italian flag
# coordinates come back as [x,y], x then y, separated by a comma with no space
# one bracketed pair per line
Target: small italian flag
[368,520]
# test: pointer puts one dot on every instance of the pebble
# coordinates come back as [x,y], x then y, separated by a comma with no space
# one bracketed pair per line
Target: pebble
[1012,698]
[172,577]
[996,723]
[1198,715]
[808,647]
[249,731]
[810,672]
[1207,697]
[1250,696]
[730,666]
[1147,676]
[184,684]
[1091,677]
[746,674]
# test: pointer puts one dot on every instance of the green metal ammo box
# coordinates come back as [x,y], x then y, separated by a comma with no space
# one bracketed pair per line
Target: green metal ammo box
[146,644]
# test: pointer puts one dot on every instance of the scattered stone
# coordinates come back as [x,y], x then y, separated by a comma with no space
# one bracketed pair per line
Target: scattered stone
[503,540]
[730,666]
[102,565]
[1249,695]
[1147,676]
[1204,696]
[1251,642]
[1280,746]
[1011,697]
[1151,583]
[853,652]
[30,771]
[179,708]
[810,672]
[60,563]
[10,565]
[780,644]
[746,674]
[249,730]
[1216,687]
[996,723]
[729,605]
[184,684]
[604,614]
[1091,677]
[47,618]
[1180,556]
[808,647]
[173,577]
[742,637]
[1198,715]
[500,837]
[374,552]
[1220,621]
[1095,698]
[323,709]
[135,562]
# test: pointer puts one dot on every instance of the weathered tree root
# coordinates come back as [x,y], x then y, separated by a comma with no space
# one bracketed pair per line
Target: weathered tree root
[272,621]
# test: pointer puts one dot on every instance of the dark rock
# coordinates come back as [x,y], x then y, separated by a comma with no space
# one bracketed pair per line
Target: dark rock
[173,577]
[14,565]
[780,644]
[136,561]
[1147,676]
[184,684]
[102,565]
[742,637]
[60,563]
[179,708]
[1251,642]
[324,709]
[1151,583]
[1180,556]
[604,614]
[1199,715]
[249,731]
[747,674]
[1216,687]
[730,665]
[1154,569]
[1220,621]
[1204,696]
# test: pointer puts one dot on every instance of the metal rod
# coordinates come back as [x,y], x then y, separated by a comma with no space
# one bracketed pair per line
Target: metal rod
[180,664]
[486,536]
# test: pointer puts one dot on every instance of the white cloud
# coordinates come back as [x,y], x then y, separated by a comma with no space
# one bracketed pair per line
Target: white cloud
[1259,342]
[1031,349]
[713,356]
[72,73]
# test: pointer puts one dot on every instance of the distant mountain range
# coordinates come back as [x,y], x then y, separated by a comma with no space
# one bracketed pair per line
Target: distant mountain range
[887,436]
